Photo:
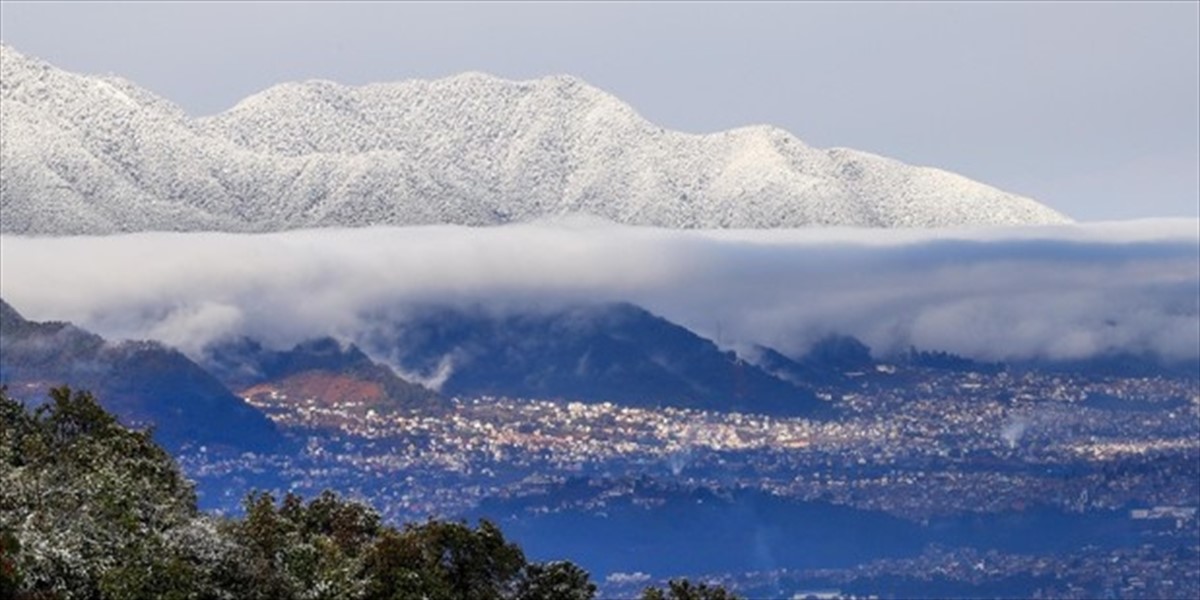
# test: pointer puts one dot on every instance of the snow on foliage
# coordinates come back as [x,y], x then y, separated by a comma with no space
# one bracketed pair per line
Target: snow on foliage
[100,155]
[89,509]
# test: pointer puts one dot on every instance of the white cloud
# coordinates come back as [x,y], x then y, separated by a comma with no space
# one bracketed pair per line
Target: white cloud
[989,293]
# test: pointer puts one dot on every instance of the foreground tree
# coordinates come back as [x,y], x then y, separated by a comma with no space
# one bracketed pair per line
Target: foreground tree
[682,589]
[558,580]
[90,509]
[443,560]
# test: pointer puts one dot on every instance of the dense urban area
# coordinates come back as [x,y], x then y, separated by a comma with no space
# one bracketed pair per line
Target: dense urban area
[922,447]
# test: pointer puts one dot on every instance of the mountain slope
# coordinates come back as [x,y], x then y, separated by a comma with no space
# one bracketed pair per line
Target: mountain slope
[144,383]
[99,155]
[606,352]
[323,369]
[827,362]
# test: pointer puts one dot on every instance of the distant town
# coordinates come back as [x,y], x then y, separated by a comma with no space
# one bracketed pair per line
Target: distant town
[916,444]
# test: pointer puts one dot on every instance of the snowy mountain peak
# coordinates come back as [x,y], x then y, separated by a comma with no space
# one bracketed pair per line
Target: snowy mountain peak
[100,155]
[16,68]
[8,53]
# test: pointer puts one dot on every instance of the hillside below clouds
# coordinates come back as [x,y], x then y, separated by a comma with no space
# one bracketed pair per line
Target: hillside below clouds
[143,383]
[99,155]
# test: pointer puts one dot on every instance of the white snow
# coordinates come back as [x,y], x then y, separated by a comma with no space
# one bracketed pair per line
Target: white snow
[91,155]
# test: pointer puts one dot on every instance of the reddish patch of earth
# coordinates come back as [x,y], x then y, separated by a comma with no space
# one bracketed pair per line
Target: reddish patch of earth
[323,386]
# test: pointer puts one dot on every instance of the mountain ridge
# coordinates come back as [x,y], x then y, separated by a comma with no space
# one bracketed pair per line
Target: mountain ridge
[592,352]
[100,155]
[243,364]
[144,383]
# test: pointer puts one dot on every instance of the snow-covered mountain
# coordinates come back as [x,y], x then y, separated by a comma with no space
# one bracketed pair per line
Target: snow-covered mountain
[81,154]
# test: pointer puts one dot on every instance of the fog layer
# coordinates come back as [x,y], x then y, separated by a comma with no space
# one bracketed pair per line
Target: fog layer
[1049,292]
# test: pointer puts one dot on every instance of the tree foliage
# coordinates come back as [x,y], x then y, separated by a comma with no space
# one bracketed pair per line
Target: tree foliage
[90,509]
[84,500]
[560,580]
[682,589]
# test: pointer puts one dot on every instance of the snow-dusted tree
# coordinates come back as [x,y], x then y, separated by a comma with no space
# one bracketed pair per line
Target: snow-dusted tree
[558,580]
[90,505]
[682,589]
[92,510]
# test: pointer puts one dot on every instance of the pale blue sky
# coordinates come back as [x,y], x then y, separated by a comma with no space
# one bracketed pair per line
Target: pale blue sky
[1093,109]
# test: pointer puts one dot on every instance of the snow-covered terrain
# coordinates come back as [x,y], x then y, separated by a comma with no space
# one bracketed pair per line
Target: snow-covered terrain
[95,155]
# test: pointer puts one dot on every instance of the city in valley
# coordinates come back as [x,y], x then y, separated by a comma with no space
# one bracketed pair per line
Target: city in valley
[989,481]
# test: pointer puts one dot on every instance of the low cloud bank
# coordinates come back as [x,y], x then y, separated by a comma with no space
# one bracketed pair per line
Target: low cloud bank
[1007,293]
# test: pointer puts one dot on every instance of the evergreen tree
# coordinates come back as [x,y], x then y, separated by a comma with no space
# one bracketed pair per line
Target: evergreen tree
[88,503]
[559,580]
[682,589]
[91,510]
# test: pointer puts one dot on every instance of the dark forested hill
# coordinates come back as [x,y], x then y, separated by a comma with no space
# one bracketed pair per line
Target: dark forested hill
[143,383]
[323,368]
[601,352]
